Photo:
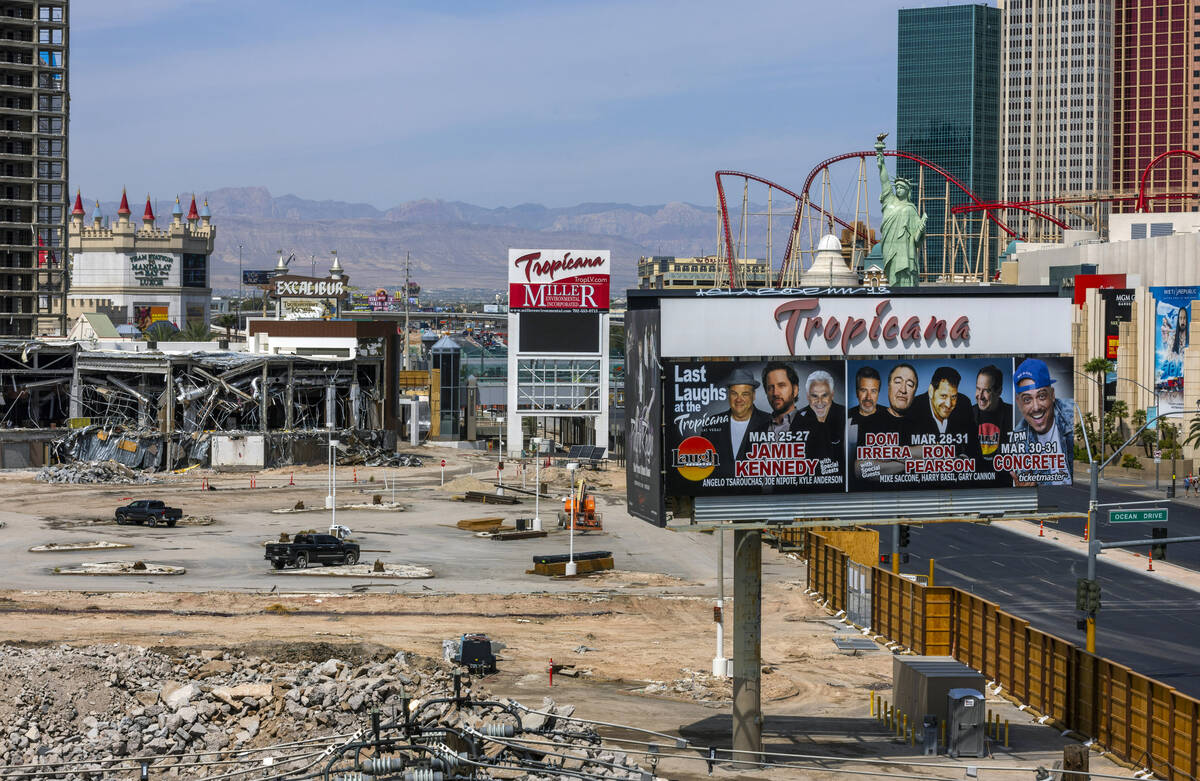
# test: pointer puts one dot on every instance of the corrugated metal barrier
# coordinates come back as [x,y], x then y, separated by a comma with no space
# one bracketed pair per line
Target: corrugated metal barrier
[1138,719]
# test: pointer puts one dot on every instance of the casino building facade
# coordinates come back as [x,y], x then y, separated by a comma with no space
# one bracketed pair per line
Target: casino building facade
[141,275]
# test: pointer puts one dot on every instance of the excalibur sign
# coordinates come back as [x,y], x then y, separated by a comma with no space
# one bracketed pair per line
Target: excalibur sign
[307,287]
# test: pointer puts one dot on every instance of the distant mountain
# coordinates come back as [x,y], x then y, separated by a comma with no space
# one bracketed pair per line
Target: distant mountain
[453,245]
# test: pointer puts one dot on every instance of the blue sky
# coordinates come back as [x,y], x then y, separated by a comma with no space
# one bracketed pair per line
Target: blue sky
[495,104]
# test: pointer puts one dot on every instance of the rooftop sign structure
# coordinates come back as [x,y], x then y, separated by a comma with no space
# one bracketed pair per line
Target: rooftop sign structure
[562,280]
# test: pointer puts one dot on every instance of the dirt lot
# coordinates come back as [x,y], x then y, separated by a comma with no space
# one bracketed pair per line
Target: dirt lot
[638,641]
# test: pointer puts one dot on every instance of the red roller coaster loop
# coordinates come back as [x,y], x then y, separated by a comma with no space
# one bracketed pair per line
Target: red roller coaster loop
[1141,197]
[804,198]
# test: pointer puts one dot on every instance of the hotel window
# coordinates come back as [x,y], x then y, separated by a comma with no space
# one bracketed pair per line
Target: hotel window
[50,13]
[195,270]
[50,35]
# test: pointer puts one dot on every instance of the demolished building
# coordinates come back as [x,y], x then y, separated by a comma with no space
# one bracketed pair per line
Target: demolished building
[160,406]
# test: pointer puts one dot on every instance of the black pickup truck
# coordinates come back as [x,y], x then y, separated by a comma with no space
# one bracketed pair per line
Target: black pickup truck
[305,549]
[148,511]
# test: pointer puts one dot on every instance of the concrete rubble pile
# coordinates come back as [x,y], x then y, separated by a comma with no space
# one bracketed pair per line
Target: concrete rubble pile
[91,472]
[371,448]
[110,707]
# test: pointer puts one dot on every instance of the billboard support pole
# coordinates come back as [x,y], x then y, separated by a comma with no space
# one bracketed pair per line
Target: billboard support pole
[747,645]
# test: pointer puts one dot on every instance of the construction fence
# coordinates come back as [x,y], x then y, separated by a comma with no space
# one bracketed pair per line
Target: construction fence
[1136,718]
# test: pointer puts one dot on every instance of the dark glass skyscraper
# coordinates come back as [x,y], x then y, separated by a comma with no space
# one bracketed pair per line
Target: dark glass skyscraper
[948,112]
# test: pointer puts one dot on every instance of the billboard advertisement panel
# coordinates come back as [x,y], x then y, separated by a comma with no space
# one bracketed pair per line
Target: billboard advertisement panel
[643,420]
[755,427]
[1118,308]
[556,279]
[959,423]
[257,276]
[1172,317]
[829,426]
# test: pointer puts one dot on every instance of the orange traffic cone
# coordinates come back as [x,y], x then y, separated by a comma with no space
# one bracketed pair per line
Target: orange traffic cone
[1041,528]
[292,478]
[356,474]
[1150,561]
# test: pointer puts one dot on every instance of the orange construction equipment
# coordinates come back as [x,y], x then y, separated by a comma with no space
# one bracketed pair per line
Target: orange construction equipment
[584,506]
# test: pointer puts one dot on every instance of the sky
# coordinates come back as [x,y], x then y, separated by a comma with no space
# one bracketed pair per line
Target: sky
[491,103]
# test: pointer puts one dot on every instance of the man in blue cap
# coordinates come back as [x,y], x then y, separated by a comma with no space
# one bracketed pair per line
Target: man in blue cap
[1044,418]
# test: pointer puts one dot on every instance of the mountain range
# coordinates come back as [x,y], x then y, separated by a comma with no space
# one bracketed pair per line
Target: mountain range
[453,245]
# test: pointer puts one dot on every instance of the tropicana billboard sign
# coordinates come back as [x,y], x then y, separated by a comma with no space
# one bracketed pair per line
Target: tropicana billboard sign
[573,280]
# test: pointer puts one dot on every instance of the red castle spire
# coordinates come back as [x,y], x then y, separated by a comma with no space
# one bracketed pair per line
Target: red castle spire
[148,215]
[124,210]
[192,213]
[78,204]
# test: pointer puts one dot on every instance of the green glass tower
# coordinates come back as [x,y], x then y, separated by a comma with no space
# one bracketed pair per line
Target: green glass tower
[948,112]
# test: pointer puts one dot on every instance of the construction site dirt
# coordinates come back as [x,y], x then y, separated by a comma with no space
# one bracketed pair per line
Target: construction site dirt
[632,646]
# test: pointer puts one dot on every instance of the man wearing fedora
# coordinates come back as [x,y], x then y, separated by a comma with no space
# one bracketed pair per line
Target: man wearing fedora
[731,435]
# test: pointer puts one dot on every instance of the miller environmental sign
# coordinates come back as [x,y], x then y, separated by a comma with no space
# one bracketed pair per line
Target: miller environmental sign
[559,280]
[151,270]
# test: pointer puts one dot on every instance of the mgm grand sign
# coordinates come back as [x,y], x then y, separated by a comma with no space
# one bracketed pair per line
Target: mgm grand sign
[289,286]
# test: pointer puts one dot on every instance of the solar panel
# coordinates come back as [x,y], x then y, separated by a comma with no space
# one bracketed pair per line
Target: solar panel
[598,453]
[855,643]
[577,452]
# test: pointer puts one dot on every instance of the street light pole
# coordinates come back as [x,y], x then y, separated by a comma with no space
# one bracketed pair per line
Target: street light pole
[537,484]
[571,568]
[1094,545]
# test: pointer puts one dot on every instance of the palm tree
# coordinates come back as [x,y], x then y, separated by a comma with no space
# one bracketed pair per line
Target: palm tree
[195,331]
[1099,367]
[1146,439]
[227,321]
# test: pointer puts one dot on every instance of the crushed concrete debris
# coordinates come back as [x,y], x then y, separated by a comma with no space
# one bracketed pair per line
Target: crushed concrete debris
[204,713]
[138,568]
[57,547]
[406,571]
[91,472]
[368,448]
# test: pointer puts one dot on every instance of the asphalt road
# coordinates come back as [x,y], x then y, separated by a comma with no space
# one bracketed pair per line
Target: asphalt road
[1146,622]
[1183,514]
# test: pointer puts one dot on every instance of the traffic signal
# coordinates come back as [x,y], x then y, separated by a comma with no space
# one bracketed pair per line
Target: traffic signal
[905,535]
[1087,595]
[1159,549]
[885,559]
[1093,596]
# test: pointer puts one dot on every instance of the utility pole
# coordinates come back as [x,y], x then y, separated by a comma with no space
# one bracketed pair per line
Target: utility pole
[240,293]
[404,341]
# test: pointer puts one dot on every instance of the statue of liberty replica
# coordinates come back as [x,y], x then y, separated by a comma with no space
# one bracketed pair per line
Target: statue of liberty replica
[903,229]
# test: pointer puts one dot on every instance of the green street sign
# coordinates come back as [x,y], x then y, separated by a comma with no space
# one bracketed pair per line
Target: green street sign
[1155,515]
